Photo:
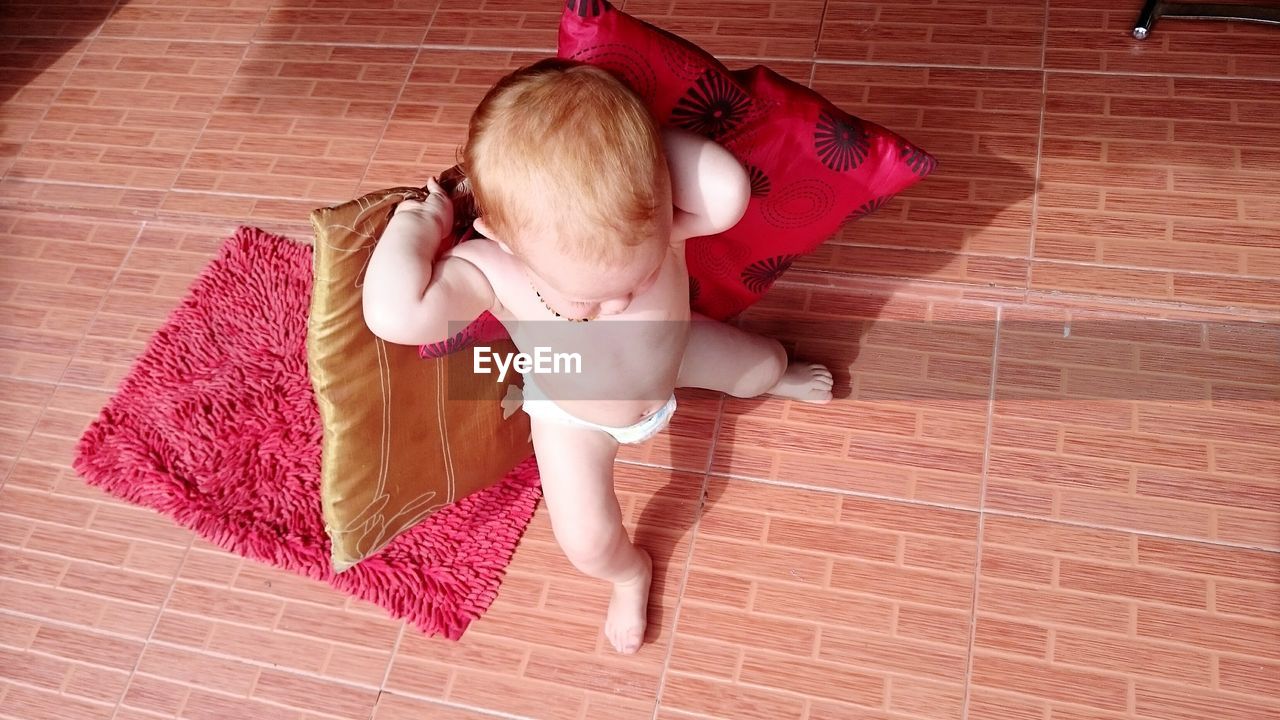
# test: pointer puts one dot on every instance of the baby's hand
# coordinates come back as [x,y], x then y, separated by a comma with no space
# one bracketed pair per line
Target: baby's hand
[437,206]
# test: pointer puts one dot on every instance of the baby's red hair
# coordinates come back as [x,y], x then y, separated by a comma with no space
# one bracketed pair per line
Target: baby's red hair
[567,148]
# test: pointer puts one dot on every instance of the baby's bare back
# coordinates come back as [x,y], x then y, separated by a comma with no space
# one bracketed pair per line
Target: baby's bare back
[613,370]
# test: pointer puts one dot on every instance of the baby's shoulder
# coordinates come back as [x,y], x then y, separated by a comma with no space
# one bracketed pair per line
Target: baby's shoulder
[484,253]
[499,267]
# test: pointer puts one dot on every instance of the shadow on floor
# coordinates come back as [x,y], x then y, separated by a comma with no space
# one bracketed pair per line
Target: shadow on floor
[832,340]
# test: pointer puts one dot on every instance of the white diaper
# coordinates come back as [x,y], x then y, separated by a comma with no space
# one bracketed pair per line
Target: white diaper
[538,405]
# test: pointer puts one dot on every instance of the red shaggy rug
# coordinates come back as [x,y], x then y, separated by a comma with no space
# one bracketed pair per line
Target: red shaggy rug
[216,426]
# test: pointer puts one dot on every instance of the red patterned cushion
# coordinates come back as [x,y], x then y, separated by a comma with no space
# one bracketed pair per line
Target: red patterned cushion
[812,165]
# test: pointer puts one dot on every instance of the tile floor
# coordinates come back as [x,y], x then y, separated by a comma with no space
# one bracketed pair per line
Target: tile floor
[1049,491]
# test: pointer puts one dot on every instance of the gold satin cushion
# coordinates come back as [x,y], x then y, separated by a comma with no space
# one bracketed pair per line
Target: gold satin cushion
[403,436]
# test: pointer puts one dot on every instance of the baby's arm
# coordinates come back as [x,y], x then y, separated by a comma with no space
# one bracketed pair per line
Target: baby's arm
[709,188]
[408,301]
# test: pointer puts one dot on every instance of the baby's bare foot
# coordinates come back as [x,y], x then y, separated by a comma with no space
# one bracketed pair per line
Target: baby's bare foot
[807,382]
[628,610]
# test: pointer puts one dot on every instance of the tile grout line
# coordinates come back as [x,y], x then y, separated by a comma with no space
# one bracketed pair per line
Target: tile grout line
[74,353]
[1035,179]
[88,40]
[163,218]
[487,48]
[22,447]
[84,334]
[70,624]
[1132,531]
[244,54]
[1078,263]
[404,84]
[47,554]
[154,624]
[261,664]
[781,59]
[982,502]
[386,674]
[1121,266]
[880,497]
[845,493]
[191,540]
[1031,68]
[1036,297]
[487,712]
[817,43]
[32,685]
[688,562]
[222,693]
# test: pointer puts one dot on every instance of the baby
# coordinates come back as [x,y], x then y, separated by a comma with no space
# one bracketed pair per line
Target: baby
[586,206]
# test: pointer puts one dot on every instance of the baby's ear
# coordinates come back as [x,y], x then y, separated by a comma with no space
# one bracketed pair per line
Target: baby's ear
[483,228]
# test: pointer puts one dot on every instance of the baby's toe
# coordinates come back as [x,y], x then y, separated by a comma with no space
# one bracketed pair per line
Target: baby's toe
[624,641]
[631,643]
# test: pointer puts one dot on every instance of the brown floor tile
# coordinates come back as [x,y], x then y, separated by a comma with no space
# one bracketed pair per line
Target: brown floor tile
[496,24]
[971,220]
[83,576]
[1160,188]
[282,216]
[61,19]
[25,701]
[21,404]
[128,114]
[54,274]
[186,20]
[739,28]
[154,279]
[1083,623]
[800,599]
[150,697]
[1084,35]
[299,123]
[239,636]
[941,32]
[539,651]
[1148,425]
[351,22]
[402,707]
[108,202]
[912,388]
[429,124]
[32,70]
[64,420]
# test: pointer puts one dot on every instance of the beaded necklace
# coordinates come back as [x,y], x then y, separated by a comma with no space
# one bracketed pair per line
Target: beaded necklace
[552,310]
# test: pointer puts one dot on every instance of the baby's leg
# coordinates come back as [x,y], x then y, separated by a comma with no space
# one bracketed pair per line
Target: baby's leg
[733,361]
[576,465]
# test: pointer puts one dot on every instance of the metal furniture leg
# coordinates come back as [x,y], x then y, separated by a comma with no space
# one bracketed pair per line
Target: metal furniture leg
[1147,18]
[1153,10]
